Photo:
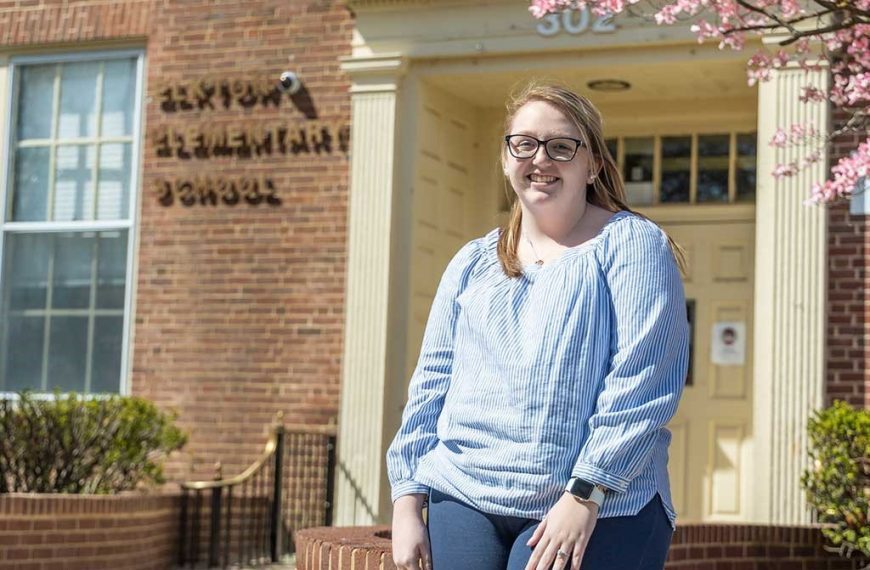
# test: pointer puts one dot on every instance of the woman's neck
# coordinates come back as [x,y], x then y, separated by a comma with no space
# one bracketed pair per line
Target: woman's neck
[562,230]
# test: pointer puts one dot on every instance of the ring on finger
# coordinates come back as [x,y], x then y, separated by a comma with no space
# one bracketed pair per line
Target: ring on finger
[561,555]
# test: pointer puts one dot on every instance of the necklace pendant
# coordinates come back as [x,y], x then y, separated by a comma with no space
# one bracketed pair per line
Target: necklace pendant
[539,262]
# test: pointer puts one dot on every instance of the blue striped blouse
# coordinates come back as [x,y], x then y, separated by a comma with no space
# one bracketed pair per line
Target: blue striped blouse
[573,369]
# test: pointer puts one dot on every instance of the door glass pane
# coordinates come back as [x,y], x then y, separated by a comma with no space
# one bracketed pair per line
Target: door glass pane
[67,353]
[106,371]
[35,98]
[74,185]
[637,170]
[713,153]
[746,167]
[113,198]
[71,285]
[26,272]
[676,169]
[119,96]
[30,189]
[78,99]
[111,270]
[22,349]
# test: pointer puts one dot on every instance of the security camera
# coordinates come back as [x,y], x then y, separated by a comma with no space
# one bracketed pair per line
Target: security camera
[289,83]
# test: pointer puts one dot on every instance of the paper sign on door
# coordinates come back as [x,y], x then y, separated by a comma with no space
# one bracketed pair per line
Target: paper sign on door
[729,343]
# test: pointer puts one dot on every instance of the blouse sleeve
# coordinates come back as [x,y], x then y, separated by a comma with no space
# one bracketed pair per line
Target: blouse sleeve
[649,349]
[431,378]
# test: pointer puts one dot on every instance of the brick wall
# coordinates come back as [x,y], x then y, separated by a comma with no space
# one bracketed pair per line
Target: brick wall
[848,376]
[88,532]
[238,308]
[694,547]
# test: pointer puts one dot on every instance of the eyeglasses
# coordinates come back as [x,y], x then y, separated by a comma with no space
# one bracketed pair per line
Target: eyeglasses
[561,149]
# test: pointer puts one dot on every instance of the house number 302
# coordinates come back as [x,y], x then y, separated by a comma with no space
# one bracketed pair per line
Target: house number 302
[574,22]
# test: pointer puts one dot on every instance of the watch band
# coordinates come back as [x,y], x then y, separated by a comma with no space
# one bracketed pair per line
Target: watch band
[585,490]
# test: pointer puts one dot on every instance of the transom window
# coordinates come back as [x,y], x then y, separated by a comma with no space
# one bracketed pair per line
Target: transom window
[69,185]
[687,169]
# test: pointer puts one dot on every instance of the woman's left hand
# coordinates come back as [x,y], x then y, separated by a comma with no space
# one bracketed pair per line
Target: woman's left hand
[566,528]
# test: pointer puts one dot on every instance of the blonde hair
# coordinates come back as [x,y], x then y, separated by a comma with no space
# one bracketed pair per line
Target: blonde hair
[606,191]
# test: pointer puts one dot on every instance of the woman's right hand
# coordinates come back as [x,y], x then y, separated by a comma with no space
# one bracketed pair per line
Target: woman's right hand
[410,537]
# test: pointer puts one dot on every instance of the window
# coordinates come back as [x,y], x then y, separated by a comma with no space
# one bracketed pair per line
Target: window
[69,184]
[687,168]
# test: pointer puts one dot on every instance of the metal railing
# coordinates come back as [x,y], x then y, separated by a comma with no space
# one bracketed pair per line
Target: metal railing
[248,520]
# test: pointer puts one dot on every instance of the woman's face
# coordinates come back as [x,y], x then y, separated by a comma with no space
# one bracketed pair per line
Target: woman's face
[543,185]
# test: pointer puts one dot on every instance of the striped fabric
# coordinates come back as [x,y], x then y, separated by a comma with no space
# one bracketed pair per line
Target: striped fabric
[573,369]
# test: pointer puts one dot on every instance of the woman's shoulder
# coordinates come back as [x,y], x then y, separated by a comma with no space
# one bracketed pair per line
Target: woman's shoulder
[474,253]
[629,234]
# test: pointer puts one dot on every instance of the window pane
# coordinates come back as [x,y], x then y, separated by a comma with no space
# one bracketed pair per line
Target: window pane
[713,153]
[106,367]
[67,353]
[676,169]
[30,190]
[746,167]
[35,99]
[119,95]
[71,285]
[612,148]
[638,170]
[111,270]
[78,99]
[26,271]
[114,182]
[22,348]
[74,185]
[638,160]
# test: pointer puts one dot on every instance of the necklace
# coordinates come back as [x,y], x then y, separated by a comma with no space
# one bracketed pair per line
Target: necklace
[535,251]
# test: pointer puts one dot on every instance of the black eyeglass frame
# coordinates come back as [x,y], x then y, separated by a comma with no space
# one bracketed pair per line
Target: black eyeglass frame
[538,142]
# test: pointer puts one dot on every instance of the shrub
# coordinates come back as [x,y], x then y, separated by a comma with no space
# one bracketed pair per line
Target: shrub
[838,482]
[71,444]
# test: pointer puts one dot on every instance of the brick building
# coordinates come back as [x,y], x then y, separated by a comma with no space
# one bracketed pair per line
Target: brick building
[195,213]
[176,227]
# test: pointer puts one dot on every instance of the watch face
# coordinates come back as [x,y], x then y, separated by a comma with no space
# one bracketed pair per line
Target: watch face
[581,488]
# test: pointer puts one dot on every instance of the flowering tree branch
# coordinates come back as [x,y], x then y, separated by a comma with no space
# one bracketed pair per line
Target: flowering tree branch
[815,34]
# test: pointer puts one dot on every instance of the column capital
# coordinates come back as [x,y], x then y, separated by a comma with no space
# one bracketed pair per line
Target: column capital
[375,73]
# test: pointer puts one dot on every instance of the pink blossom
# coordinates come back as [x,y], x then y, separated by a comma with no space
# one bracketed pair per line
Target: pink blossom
[704,30]
[846,174]
[779,139]
[668,14]
[785,170]
[540,8]
[812,94]
[799,133]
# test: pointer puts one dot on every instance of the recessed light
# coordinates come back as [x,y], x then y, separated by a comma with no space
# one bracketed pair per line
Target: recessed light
[609,85]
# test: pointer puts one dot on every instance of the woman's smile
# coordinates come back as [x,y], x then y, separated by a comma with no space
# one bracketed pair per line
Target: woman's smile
[542,178]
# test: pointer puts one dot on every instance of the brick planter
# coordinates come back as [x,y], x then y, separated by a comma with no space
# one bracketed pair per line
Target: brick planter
[695,547]
[88,532]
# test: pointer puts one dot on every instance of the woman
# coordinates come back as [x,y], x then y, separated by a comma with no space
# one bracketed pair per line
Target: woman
[555,354]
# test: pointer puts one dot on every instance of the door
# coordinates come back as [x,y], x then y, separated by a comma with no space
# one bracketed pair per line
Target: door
[443,186]
[712,430]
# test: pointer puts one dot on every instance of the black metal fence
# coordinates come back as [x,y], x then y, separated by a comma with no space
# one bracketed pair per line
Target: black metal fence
[249,520]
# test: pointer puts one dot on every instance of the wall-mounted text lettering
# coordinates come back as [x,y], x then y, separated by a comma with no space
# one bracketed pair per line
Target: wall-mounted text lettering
[247,141]
[208,191]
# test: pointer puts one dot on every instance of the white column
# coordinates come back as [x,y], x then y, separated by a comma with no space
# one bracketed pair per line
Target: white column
[360,468]
[790,300]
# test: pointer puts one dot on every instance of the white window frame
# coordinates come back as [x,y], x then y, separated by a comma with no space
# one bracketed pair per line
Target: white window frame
[130,225]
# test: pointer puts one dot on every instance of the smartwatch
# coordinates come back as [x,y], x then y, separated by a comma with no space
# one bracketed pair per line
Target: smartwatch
[585,491]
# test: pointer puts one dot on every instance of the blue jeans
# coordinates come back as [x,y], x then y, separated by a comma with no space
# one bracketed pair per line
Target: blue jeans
[464,538]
